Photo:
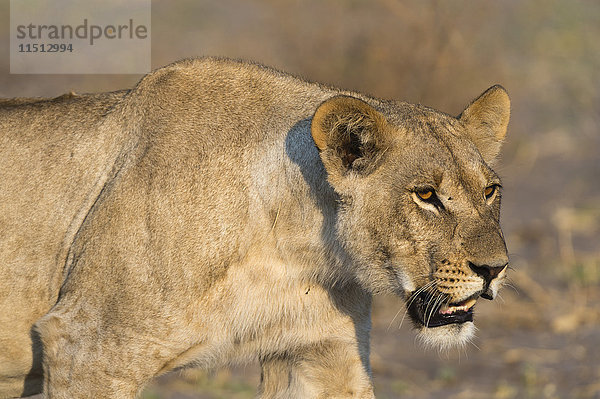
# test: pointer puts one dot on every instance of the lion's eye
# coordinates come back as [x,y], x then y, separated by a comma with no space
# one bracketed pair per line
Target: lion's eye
[489,191]
[425,195]
[426,198]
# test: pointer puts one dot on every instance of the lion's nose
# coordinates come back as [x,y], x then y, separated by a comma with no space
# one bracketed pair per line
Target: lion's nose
[487,272]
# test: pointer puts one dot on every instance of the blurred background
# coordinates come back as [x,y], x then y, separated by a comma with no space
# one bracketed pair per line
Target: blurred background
[541,339]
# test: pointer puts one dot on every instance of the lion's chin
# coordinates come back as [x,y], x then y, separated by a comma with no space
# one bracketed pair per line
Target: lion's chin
[447,337]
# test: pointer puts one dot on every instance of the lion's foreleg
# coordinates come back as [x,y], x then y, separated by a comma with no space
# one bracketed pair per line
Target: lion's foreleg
[75,366]
[326,370]
[86,358]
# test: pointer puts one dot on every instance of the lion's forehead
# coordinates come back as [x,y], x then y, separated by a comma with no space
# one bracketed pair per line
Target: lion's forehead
[445,160]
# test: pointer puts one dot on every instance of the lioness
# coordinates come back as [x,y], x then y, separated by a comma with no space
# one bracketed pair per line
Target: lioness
[222,211]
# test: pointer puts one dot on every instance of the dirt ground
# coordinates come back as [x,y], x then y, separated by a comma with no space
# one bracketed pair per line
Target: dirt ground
[541,339]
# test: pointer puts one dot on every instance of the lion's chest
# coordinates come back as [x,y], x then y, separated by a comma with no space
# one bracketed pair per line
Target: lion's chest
[266,306]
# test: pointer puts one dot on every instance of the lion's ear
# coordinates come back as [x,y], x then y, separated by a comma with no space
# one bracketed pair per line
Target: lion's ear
[349,134]
[486,120]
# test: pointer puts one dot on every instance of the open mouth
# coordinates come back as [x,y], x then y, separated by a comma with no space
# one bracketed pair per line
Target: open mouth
[427,310]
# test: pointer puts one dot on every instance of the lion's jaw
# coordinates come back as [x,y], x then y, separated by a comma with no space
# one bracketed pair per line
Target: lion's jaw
[448,336]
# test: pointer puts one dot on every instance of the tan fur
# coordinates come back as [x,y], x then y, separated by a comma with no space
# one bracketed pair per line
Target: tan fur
[193,221]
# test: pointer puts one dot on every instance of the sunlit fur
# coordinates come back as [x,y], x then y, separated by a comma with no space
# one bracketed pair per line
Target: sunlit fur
[445,338]
[221,211]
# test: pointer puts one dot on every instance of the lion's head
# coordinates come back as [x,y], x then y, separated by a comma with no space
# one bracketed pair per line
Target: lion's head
[420,205]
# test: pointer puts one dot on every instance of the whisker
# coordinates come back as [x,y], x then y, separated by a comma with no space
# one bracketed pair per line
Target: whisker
[412,298]
[475,345]
[410,303]
[499,296]
[509,283]
[394,318]
[436,300]
[415,294]
[403,317]
[430,302]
